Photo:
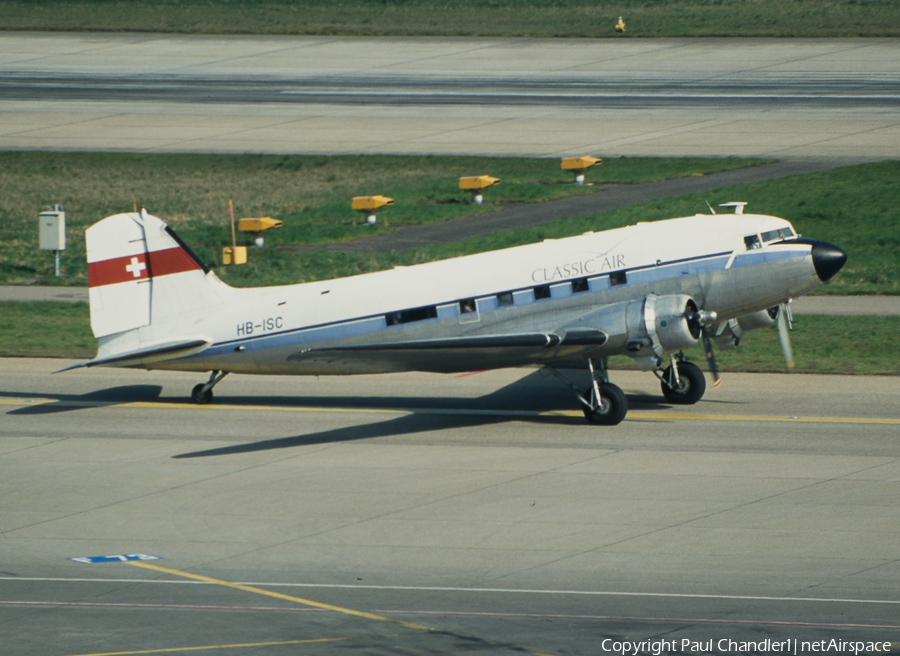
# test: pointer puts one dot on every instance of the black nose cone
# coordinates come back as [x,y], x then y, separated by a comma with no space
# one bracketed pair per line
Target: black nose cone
[827,259]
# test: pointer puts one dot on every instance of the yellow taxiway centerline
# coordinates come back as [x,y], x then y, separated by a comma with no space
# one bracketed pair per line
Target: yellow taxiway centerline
[698,417]
[279,595]
[267,593]
[173,650]
[640,415]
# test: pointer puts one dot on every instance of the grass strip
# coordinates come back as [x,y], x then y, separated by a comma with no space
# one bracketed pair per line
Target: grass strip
[824,206]
[501,18]
[821,344]
[46,329]
[311,194]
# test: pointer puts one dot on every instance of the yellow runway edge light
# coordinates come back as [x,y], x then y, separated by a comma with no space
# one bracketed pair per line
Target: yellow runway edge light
[258,225]
[579,163]
[369,203]
[474,182]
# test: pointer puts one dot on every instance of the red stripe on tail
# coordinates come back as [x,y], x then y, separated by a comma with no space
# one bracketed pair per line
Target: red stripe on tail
[140,267]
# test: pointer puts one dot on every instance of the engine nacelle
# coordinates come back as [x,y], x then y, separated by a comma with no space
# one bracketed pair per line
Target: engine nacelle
[757,320]
[728,335]
[659,325]
[677,321]
[648,328]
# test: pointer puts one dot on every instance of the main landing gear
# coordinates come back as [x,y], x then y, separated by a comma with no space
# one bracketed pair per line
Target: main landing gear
[603,403]
[682,382]
[202,393]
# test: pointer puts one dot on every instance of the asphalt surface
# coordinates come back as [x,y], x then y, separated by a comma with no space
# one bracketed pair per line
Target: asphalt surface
[784,98]
[425,514]
[564,89]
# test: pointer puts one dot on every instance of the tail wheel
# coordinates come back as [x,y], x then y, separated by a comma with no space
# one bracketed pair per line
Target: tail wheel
[199,396]
[611,409]
[690,387]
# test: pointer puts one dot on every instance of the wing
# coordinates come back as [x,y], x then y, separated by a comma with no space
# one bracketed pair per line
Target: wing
[454,354]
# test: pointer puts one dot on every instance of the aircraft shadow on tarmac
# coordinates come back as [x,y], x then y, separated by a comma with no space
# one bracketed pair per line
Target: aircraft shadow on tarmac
[97,398]
[521,400]
[423,420]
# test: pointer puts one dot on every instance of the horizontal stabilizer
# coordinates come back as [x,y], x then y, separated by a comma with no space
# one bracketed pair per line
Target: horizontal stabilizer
[154,353]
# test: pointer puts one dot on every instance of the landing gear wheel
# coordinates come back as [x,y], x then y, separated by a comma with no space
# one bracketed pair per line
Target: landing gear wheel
[202,393]
[199,396]
[692,384]
[612,408]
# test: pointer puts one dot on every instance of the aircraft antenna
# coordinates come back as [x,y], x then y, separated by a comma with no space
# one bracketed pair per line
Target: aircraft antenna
[710,207]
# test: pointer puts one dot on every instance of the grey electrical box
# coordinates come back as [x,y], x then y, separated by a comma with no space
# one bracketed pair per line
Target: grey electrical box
[53,229]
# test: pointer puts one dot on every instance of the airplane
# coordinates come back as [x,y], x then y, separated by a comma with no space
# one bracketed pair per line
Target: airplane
[647,291]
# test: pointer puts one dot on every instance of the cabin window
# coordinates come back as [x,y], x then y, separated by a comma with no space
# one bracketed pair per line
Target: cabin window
[542,291]
[504,299]
[467,306]
[523,296]
[618,278]
[409,316]
[580,285]
[752,242]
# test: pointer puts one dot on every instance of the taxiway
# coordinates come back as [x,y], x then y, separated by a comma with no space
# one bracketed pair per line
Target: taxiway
[417,513]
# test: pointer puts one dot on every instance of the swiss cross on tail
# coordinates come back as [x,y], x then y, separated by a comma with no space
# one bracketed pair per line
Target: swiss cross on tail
[135,267]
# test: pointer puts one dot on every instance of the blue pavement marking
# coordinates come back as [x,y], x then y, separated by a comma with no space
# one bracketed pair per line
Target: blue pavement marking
[119,558]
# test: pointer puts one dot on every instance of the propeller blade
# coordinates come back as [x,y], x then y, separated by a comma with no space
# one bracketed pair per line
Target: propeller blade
[702,319]
[784,335]
[710,358]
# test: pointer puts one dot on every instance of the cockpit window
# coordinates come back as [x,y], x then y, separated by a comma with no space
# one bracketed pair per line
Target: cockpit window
[752,242]
[782,233]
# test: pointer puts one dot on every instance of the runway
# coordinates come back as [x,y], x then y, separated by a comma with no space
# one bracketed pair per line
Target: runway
[835,99]
[441,514]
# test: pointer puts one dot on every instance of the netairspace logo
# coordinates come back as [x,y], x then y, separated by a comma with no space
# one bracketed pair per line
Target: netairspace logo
[727,646]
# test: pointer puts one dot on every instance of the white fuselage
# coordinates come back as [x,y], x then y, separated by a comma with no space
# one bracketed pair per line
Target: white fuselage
[720,261]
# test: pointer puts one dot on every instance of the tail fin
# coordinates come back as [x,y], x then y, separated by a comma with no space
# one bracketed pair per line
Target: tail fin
[146,288]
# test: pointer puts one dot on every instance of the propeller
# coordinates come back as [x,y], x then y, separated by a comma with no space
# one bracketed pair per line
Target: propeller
[701,319]
[710,358]
[784,321]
